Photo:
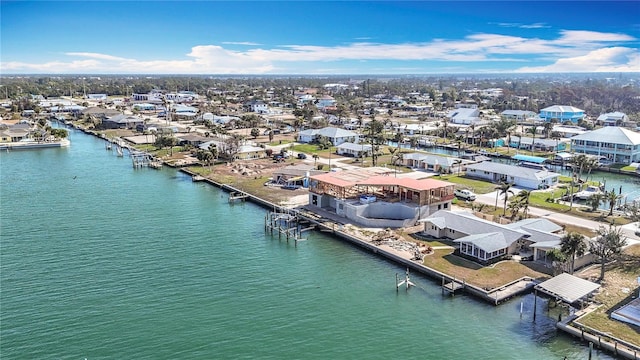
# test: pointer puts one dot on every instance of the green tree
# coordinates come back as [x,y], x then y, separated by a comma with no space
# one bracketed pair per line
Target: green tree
[572,245]
[255,132]
[595,200]
[523,198]
[612,198]
[504,190]
[607,245]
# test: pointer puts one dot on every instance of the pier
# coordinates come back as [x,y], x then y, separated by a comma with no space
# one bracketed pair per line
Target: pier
[286,223]
[237,196]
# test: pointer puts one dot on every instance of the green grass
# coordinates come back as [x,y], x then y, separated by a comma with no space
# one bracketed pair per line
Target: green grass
[309,149]
[477,186]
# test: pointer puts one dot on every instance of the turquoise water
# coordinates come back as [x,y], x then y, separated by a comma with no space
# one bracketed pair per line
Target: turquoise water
[101,261]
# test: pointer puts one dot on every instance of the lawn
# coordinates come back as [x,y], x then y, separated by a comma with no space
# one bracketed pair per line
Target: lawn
[485,277]
[477,186]
[618,288]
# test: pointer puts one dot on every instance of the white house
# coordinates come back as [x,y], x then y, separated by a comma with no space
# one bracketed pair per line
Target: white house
[354,150]
[337,136]
[525,177]
[464,116]
[613,119]
[432,162]
[256,106]
[617,144]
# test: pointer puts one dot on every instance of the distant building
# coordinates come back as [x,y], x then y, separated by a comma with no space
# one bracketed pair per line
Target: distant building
[96,97]
[517,115]
[613,119]
[353,150]
[256,106]
[617,144]
[122,122]
[464,116]
[561,114]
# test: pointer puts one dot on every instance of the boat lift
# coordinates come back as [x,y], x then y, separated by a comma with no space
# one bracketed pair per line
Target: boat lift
[407,282]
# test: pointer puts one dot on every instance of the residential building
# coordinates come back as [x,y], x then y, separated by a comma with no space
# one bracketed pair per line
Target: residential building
[96,97]
[122,122]
[518,115]
[326,101]
[297,174]
[337,136]
[487,241]
[432,162]
[354,150]
[529,143]
[464,116]
[372,197]
[528,178]
[561,114]
[616,144]
[613,119]
[256,106]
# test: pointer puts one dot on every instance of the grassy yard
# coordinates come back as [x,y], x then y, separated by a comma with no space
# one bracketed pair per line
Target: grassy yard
[618,288]
[477,186]
[473,273]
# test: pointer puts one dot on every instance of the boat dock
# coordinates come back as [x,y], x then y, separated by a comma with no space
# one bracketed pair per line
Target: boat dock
[237,196]
[452,287]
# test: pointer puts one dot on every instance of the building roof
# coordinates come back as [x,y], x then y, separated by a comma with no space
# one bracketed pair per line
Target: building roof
[529,158]
[567,287]
[124,119]
[354,147]
[351,177]
[611,134]
[562,109]
[330,132]
[489,242]
[616,115]
[518,113]
[516,171]
[467,223]
[431,159]
[539,224]
[408,183]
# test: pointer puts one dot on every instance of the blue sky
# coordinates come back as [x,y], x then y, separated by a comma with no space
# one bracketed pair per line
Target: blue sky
[318,38]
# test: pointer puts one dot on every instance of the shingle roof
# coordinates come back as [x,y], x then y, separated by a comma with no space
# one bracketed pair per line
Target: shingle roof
[611,134]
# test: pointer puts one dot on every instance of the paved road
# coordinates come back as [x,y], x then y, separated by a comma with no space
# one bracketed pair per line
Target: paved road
[628,230]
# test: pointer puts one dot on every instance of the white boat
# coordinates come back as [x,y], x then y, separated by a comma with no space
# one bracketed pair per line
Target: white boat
[587,193]
[26,144]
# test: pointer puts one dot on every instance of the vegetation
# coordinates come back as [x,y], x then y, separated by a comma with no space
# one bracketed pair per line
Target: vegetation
[607,245]
[573,245]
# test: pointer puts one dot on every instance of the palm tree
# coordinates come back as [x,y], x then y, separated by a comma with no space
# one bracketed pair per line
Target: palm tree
[457,162]
[504,189]
[573,244]
[612,198]
[595,200]
[523,197]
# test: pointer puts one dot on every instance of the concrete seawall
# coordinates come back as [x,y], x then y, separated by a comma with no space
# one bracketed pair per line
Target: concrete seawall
[494,296]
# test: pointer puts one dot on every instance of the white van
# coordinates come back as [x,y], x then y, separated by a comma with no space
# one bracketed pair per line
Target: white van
[464,194]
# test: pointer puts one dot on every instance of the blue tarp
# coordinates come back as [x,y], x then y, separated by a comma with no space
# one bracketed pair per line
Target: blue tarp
[531,159]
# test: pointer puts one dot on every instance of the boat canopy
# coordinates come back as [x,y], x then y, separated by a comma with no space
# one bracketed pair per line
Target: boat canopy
[528,158]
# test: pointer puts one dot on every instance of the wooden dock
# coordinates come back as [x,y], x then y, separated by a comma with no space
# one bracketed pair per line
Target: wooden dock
[452,286]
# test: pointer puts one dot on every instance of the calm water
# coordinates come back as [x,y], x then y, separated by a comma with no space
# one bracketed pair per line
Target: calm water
[101,261]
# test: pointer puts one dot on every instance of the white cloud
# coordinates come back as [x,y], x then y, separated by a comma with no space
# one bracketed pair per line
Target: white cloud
[523,26]
[613,59]
[570,51]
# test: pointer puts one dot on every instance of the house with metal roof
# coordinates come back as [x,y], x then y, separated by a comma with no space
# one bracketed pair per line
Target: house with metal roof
[464,116]
[375,197]
[518,115]
[615,118]
[616,144]
[486,240]
[432,162]
[354,150]
[337,136]
[525,177]
[561,114]
[528,143]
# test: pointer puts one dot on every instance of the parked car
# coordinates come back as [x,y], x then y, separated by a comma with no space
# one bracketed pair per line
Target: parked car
[302,156]
[464,194]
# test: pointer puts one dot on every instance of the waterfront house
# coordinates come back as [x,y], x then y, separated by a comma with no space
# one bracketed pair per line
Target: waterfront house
[250,152]
[488,241]
[99,112]
[337,136]
[354,150]
[616,144]
[528,178]
[122,122]
[374,197]
[528,143]
[561,114]
[191,139]
[16,132]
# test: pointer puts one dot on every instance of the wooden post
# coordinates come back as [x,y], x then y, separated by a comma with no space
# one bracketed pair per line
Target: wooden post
[442,284]
[590,349]
[535,303]
[397,282]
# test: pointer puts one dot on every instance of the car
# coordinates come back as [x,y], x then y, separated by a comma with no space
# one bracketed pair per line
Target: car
[464,194]
[302,156]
